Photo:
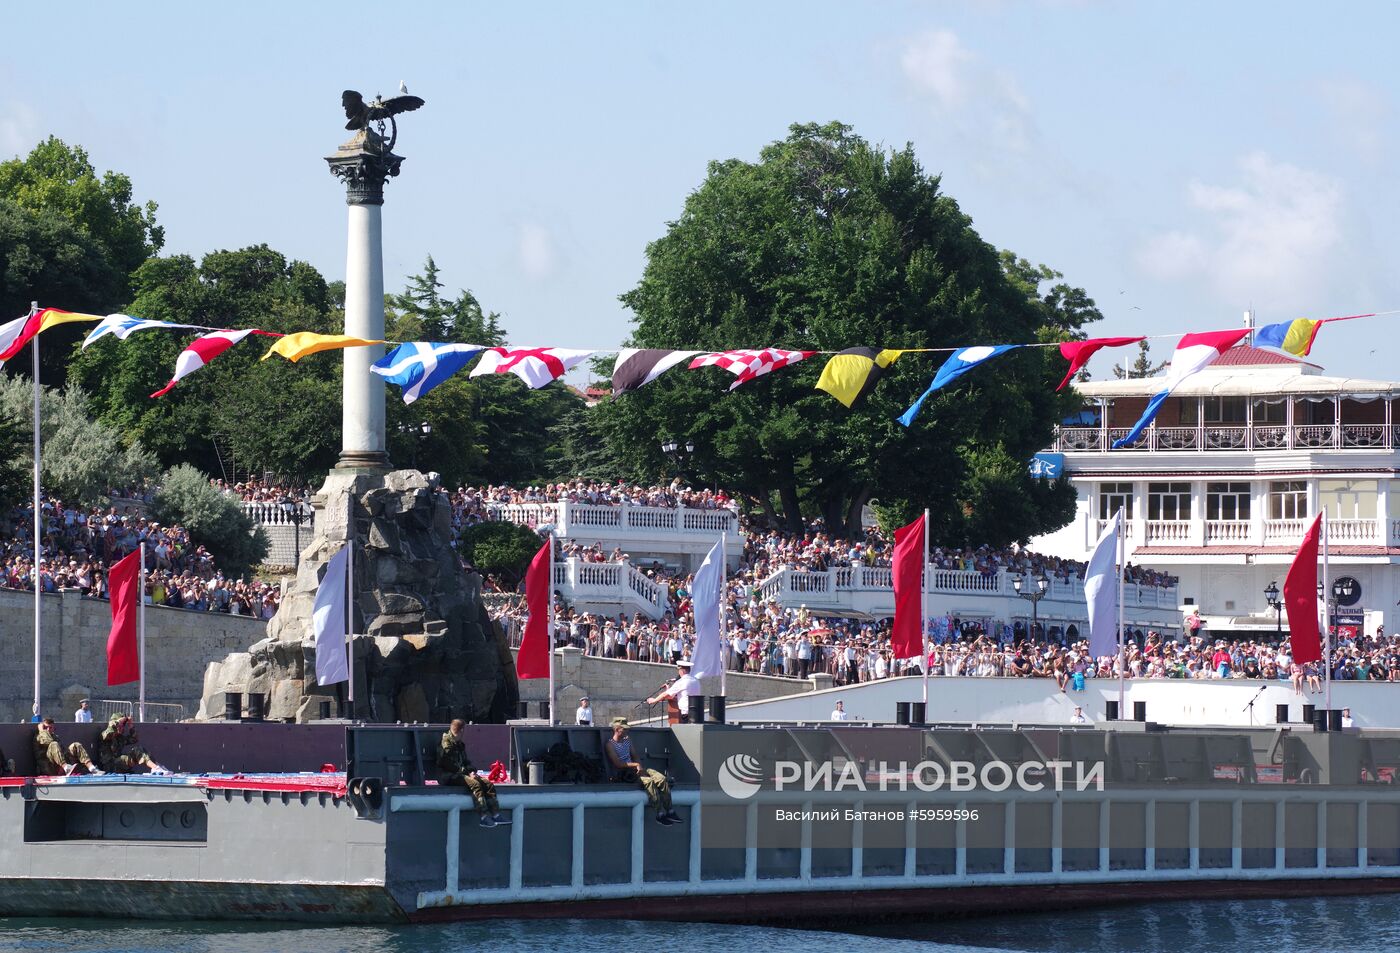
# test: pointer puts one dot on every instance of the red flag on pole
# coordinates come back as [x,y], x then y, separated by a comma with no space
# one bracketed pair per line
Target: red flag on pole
[533,659]
[123,653]
[906,639]
[1300,597]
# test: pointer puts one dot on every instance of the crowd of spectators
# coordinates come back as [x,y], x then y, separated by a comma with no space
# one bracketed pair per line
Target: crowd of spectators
[80,544]
[254,490]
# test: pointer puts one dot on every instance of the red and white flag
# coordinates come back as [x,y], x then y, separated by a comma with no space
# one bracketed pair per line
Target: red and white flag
[201,351]
[123,651]
[536,366]
[748,364]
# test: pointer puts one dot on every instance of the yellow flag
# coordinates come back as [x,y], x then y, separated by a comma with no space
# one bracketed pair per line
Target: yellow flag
[296,346]
[854,372]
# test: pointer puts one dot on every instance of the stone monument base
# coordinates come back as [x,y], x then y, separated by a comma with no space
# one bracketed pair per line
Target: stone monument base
[424,649]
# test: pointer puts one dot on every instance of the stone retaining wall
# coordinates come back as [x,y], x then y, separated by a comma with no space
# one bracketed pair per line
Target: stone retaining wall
[179,645]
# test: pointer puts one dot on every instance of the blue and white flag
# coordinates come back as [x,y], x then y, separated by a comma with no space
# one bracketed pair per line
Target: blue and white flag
[706,593]
[121,326]
[1193,354]
[959,363]
[419,366]
[328,622]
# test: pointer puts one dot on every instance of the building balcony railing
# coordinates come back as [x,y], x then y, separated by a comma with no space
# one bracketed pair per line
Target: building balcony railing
[1282,532]
[1235,437]
[610,584]
[637,529]
[869,591]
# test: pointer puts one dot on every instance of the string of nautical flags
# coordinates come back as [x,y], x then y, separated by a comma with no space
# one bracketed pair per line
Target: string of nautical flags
[849,375]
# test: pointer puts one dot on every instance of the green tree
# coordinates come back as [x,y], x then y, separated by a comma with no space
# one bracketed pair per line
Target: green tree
[239,413]
[1142,365]
[69,239]
[82,458]
[15,480]
[421,313]
[501,549]
[828,242]
[213,519]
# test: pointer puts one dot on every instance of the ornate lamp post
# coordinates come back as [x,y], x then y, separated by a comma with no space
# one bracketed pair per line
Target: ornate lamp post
[1275,603]
[1034,595]
[677,454]
[419,432]
[294,513]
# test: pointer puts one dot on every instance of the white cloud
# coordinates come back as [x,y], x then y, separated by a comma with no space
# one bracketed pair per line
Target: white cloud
[19,131]
[536,251]
[1273,237]
[962,87]
[1359,112]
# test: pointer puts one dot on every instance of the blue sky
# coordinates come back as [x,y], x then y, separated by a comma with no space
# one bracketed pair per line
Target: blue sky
[1182,162]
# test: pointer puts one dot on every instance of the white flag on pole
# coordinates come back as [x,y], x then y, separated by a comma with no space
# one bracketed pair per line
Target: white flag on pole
[1101,592]
[328,622]
[705,594]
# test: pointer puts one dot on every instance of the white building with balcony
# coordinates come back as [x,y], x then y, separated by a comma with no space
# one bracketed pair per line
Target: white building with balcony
[1221,487]
[674,535]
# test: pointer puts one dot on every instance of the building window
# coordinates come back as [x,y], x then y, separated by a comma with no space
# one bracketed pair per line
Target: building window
[1227,501]
[1270,411]
[1169,501]
[1288,500]
[1112,496]
[1225,410]
[1348,499]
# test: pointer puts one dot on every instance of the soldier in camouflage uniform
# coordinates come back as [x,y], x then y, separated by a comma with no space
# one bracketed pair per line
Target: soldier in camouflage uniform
[119,750]
[454,768]
[51,758]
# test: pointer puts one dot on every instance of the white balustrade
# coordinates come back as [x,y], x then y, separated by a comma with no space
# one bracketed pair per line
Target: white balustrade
[1227,531]
[660,530]
[1258,437]
[1279,532]
[1353,531]
[610,584]
[1171,532]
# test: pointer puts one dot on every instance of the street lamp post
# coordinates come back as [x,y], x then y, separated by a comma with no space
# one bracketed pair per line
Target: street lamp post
[677,454]
[420,431]
[1275,603]
[1034,595]
[295,515]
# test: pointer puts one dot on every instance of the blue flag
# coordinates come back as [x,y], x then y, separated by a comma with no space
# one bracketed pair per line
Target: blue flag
[419,366]
[959,363]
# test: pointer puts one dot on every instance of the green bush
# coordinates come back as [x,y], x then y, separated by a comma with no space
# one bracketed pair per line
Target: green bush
[501,549]
[213,518]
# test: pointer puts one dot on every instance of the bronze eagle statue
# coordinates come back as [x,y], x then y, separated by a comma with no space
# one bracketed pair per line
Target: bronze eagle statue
[360,113]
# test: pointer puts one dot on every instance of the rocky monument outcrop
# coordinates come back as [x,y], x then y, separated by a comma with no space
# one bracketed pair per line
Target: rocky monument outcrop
[425,648]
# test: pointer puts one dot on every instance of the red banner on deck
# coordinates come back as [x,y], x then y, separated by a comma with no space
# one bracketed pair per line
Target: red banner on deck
[1300,597]
[907,637]
[123,650]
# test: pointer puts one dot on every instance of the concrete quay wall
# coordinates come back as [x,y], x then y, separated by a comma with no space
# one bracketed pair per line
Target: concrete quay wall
[179,645]
[615,687]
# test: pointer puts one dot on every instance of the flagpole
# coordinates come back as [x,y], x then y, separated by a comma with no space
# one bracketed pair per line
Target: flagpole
[141,627]
[350,597]
[923,615]
[1326,617]
[38,524]
[723,610]
[549,612]
[1122,574]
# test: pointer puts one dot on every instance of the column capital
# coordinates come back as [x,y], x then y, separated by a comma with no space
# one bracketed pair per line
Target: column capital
[364,164]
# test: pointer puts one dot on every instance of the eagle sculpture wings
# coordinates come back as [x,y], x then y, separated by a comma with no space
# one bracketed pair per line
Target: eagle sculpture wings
[360,113]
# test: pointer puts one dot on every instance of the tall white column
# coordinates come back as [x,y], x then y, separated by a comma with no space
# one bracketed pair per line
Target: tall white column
[362,435]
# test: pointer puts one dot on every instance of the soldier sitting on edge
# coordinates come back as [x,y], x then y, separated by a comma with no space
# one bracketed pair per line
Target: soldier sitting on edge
[51,758]
[454,768]
[622,768]
[120,752]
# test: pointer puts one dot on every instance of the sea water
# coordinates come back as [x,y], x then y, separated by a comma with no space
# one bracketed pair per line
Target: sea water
[1335,925]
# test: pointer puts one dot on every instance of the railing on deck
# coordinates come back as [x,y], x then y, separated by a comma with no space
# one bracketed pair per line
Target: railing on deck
[1235,437]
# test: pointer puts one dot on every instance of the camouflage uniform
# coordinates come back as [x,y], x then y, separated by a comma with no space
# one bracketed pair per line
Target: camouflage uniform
[51,758]
[455,769]
[118,750]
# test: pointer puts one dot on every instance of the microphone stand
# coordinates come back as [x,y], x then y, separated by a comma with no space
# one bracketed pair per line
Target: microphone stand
[1250,707]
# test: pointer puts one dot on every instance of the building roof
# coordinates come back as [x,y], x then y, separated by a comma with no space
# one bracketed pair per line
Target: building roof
[1248,371]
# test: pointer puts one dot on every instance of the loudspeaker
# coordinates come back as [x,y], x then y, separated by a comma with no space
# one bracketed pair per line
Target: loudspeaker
[917,712]
[696,704]
[1281,714]
[1110,711]
[233,706]
[325,710]
[901,713]
[255,706]
[1319,719]
[717,709]
[1334,719]
[1139,711]
[1308,718]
